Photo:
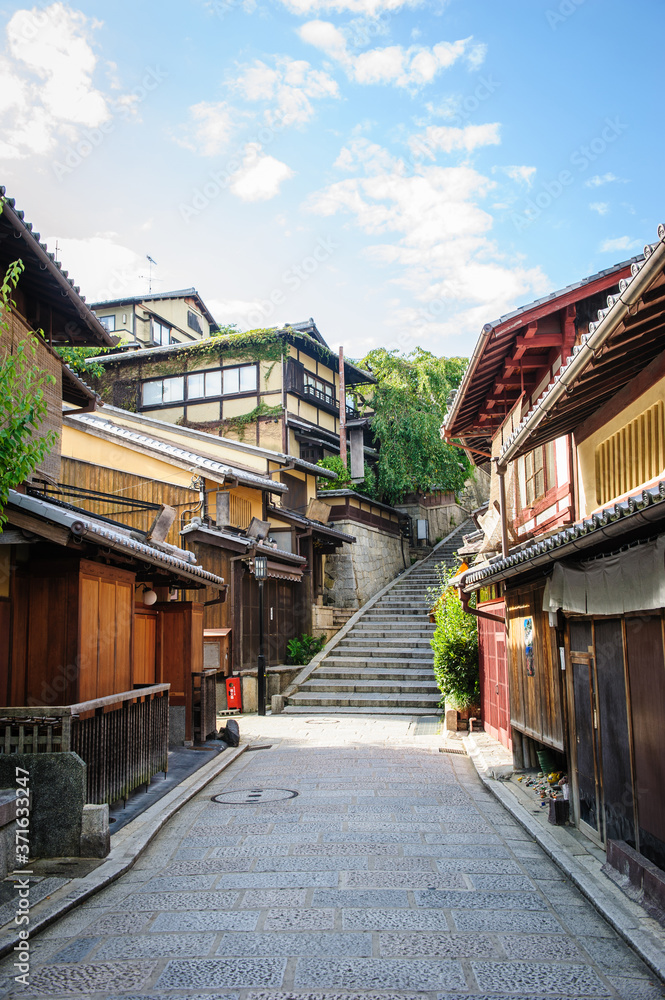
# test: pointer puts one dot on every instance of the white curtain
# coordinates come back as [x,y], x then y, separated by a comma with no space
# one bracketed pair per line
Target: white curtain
[633,580]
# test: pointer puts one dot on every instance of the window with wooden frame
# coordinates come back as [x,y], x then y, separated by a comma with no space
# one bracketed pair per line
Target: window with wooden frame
[632,455]
[536,474]
[240,511]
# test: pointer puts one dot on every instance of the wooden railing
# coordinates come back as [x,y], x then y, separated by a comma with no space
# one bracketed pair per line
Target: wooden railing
[204,701]
[123,738]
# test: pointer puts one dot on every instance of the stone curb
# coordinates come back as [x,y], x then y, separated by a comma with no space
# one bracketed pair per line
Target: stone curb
[625,917]
[126,847]
[338,636]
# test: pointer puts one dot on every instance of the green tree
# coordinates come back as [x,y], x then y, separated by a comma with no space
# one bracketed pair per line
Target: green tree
[409,403]
[455,646]
[336,464]
[22,400]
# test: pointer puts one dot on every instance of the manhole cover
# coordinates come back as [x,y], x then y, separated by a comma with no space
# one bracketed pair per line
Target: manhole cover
[246,796]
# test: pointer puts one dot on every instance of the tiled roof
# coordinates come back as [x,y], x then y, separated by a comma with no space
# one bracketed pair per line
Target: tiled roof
[82,524]
[293,331]
[610,522]
[170,450]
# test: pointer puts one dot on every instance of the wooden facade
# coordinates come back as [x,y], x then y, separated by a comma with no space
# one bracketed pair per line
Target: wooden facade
[616,703]
[493,663]
[71,630]
[536,708]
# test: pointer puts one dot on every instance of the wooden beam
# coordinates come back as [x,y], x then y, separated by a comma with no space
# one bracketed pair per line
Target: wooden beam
[52,532]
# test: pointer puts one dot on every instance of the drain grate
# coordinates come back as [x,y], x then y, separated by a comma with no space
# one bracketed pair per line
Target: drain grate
[452,750]
[251,796]
[259,746]
[321,722]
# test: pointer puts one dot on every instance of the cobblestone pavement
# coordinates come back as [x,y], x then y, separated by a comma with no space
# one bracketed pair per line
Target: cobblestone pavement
[350,860]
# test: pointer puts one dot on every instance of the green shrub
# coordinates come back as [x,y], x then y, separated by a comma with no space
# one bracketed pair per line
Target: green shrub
[302,650]
[455,645]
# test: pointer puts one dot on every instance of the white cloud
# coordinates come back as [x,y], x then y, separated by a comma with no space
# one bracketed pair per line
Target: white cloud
[209,130]
[46,80]
[599,179]
[623,243]
[447,139]
[370,8]
[410,68]
[290,87]
[436,238]
[102,267]
[602,207]
[525,175]
[260,176]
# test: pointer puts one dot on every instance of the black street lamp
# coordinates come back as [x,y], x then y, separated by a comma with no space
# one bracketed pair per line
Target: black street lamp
[261,574]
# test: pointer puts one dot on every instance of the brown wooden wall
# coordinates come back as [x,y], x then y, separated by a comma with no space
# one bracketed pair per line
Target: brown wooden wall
[44,661]
[179,651]
[145,645]
[128,486]
[535,700]
[106,611]
[71,631]
[215,560]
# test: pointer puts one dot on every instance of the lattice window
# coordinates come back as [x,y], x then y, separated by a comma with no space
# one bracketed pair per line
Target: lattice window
[241,512]
[632,456]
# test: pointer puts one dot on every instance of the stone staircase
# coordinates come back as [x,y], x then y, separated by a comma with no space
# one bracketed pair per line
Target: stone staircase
[383,663]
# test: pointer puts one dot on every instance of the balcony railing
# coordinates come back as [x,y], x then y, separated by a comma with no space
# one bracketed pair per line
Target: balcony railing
[123,738]
[327,398]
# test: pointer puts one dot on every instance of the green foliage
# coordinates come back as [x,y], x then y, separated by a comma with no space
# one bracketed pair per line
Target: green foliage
[367,488]
[79,360]
[336,464]
[22,401]
[302,650]
[225,331]
[241,422]
[455,645]
[409,404]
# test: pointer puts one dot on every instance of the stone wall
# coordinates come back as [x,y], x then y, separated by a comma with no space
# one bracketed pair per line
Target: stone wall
[441,519]
[356,572]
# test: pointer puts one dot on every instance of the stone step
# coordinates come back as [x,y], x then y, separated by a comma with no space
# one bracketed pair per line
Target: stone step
[389,633]
[345,710]
[367,700]
[361,663]
[417,657]
[377,673]
[391,616]
[367,686]
[362,639]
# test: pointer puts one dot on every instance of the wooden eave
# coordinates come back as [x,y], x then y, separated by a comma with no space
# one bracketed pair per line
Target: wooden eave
[518,355]
[636,343]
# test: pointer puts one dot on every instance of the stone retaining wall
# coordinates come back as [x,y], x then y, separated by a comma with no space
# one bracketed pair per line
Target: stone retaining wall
[356,572]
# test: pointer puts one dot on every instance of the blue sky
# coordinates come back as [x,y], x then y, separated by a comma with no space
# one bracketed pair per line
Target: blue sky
[401,171]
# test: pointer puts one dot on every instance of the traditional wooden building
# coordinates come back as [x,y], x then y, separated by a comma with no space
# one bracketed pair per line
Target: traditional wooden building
[586,604]
[515,359]
[71,674]
[121,464]
[156,319]
[277,389]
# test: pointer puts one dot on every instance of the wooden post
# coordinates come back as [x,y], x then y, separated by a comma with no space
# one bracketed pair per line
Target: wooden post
[342,407]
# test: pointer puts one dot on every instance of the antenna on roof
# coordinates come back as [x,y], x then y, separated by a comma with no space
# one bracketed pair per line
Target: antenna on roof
[149,258]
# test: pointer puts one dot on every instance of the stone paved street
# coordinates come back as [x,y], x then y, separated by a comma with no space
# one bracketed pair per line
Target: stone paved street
[349,860]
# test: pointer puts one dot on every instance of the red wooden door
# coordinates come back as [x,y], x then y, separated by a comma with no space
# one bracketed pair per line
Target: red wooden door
[495,705]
